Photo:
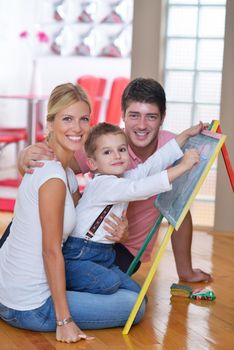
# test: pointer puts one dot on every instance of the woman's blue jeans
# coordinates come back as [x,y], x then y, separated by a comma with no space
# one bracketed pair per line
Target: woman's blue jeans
[89,311]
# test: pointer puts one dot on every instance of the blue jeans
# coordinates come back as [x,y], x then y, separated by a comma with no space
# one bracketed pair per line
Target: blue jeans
[90,268]
[89,311]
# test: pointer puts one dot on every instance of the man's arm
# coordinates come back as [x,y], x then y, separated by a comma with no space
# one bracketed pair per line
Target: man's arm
[193,131]
[31,156]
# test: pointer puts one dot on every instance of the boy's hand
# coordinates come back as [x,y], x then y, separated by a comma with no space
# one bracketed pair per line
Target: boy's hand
[190,158]
[30,157]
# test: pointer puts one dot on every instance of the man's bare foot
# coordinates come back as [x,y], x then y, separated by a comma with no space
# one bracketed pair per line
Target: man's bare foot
[197,275]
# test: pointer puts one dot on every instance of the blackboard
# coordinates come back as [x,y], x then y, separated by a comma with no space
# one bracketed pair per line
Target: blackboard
[175,204]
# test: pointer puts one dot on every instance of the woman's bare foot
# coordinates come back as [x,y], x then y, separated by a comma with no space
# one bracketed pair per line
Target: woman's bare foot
[197,275]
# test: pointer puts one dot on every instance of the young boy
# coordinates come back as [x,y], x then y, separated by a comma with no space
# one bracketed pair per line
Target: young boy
[89,255]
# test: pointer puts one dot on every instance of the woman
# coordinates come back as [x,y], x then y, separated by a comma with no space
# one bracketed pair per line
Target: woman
[32,279]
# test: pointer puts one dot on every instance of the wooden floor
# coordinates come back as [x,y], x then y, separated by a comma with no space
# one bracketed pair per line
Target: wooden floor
[169,323]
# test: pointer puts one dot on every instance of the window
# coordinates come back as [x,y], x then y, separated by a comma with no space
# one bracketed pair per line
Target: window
[193,75]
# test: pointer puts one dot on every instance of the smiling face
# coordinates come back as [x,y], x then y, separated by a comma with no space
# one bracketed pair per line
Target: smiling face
[110,156]
[142,124]
[70,127]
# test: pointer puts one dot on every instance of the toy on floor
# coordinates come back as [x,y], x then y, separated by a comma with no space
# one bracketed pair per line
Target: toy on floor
[181,290]
[203,294]
[197,294]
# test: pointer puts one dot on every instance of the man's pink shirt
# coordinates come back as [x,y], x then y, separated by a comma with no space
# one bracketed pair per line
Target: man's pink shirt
[141,214]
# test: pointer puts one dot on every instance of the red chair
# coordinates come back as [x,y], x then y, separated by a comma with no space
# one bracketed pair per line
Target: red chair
[95,87]
[40,135]
[7,204]
[113,111]
[10,136]
[15,136]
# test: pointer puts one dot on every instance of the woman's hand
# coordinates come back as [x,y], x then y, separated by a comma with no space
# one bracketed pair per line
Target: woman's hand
[30,157]
[117,228]
[70,333]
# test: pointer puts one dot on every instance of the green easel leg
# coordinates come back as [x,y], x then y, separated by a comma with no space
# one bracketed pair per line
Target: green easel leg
[144,245]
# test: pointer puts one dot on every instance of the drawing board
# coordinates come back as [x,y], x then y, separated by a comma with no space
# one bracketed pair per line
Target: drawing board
[174,204]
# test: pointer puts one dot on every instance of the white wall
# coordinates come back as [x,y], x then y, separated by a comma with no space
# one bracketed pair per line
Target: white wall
[16,62]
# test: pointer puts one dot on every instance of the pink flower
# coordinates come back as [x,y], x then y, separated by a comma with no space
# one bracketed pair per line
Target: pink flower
[42,37]
[24,34]
[37,42]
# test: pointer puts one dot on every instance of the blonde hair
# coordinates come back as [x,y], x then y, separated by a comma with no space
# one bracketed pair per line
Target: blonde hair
[96,132]
[63,96]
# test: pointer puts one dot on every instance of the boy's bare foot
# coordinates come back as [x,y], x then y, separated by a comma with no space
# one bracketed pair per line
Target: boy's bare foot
[197,275]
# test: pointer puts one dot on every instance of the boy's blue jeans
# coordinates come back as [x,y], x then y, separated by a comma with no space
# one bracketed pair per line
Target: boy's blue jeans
[90,268]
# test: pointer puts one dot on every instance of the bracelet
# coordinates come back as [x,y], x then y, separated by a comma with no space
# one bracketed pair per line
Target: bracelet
[65,321]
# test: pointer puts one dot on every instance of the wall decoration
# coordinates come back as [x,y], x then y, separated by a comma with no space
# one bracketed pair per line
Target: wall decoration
[87,27]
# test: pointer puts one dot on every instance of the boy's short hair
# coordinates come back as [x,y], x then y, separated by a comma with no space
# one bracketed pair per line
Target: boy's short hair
[144,90]
[98,131]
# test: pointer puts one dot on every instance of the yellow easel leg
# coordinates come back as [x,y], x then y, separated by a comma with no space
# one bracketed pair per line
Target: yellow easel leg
[215,125]
[148,280]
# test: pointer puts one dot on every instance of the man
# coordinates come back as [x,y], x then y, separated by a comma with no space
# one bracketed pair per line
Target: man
[144,109]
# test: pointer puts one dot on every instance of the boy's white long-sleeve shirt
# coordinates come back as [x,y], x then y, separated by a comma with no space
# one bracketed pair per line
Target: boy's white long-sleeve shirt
[148,179]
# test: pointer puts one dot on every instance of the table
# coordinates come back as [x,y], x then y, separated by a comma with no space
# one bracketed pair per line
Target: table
[34,105]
